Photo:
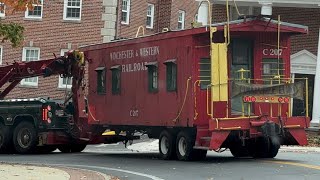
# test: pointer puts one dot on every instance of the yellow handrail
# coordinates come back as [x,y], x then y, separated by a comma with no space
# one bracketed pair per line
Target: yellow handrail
[140,27]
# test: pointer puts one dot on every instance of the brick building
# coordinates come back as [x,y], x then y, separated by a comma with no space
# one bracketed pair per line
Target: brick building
[55,26]
[154,16]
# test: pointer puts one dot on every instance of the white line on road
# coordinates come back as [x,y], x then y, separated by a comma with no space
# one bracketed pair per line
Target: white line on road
[111,169]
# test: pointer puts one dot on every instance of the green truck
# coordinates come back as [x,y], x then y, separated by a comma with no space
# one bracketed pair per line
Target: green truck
[36,125]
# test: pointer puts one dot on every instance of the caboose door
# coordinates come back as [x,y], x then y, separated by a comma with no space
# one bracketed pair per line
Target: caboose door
[241,58]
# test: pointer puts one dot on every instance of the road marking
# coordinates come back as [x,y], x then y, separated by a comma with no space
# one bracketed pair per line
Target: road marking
[295,164]
[111,169]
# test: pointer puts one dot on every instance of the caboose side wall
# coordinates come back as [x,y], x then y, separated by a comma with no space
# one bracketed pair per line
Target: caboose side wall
[135,105]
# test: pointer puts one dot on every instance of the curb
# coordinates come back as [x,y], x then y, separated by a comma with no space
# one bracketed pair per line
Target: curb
[17,171]
[299,149]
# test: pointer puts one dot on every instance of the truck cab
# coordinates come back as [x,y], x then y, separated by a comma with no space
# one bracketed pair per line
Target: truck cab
[30,122]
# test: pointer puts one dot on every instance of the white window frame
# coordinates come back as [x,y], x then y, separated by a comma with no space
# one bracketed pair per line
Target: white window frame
[24,53]
[26,14]
[126,11]
[61,85]
[1,54]
[150,15]
[66,8]
[182,20]
[4,10]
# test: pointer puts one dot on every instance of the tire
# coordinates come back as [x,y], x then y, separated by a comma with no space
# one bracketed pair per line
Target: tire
[265,147]
[25,138]
[184,147]
[74,148]
[167,145]
[78,147]
[199,154]
[65,148]
[274,147]
[239,151]
[5,139]
[45,149]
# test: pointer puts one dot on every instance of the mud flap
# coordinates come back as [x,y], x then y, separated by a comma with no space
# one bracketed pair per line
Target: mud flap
[217,138]
[299,135]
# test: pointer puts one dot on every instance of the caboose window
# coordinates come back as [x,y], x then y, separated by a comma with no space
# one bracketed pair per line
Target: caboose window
[101,80]
[272,69]
[171,75]
[204,73]
[152,76]
[116,79]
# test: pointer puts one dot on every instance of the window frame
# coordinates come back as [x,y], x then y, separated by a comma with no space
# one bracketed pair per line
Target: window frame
[182,20]
[1,54]
[151,16]
[101,70]
[27,16]
[24,53]
[65,9]
[3,14]
[127,11]
[61,85]
[171,75]
[115,76]
[153,78]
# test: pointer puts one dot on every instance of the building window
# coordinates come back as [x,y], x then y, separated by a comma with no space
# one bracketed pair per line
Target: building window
[116,79]
[152,76]
[30,54]
[125,11]
[2,10]
[181,19]
[205,73]
[36,12]
[150,16]
[101,80]
[1,52]
[171,76]
[72,9]
[67,81]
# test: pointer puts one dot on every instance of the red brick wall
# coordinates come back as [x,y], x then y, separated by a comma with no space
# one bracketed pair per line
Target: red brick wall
[166,16]
[190,7]
[138,17]
[304,16]
[51,34]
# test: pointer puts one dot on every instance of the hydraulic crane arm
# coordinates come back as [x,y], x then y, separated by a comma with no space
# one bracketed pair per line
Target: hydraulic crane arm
[70,65]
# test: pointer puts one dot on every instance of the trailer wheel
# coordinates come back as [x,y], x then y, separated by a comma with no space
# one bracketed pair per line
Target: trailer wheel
[5,138]
[45,149]
[239,151]
[274,147]
[184,147]
[64,148]
[25,138]
[199,154]
[73,148]
[167,145]
[78,147]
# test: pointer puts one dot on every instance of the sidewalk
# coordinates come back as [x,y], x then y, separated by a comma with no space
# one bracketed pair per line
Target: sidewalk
[34,172]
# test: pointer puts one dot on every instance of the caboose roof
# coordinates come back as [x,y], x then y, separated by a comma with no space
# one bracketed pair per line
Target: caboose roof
[242,25]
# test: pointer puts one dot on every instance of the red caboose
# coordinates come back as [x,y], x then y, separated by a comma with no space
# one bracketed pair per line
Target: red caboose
[201,89]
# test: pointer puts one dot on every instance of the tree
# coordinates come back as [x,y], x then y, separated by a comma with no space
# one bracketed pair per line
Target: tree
[13,32]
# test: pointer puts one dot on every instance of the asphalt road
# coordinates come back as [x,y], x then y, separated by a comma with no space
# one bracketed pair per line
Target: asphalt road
[118,161]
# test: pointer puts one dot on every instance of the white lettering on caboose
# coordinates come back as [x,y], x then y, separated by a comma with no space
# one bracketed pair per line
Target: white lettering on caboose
[134,67]
[129,54]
